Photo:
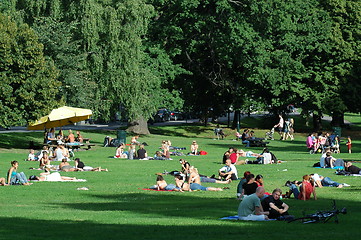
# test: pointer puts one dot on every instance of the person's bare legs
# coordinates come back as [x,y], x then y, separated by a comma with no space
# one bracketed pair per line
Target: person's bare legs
[224,182]
[214,189]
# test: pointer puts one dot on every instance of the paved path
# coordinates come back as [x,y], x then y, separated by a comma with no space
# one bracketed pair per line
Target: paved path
[116,125]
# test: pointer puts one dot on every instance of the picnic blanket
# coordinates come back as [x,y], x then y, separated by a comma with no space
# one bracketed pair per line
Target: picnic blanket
[337,167]
[235,218]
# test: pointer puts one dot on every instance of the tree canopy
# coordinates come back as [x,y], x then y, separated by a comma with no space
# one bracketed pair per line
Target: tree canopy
[205,56]
[28,86]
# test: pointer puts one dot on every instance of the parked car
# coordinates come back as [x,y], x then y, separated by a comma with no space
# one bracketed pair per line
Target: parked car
[174,115]
[162,115]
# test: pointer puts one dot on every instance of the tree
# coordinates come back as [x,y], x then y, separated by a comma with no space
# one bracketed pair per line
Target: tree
[28,86]
[102,52]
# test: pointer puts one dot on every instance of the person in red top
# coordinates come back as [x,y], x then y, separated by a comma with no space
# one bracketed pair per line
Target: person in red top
[307,188]
[349,144]
[234,156]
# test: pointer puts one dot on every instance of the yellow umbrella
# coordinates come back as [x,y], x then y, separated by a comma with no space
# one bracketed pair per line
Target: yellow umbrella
[60,117]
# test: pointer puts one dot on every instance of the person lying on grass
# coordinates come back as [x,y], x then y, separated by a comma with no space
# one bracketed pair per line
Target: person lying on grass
[80,166]
[194,177]
[15,178]
[352,168]
[187,186]
[321,181]
[65,166]
[162,185]
[53,177]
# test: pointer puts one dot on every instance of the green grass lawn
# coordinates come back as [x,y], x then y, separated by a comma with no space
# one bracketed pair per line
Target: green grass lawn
[115,207]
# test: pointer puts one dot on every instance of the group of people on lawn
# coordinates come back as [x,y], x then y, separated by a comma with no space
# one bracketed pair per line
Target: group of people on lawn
[255,204]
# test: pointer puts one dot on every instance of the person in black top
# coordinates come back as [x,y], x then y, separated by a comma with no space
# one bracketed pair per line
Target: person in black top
[141,153]
[80,166]
[250,186]
[78,163]
[227,154]
[185,166]
[277,209]
[352,168]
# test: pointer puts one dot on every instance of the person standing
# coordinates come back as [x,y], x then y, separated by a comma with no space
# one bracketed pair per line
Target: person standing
[349,144]
[280,125]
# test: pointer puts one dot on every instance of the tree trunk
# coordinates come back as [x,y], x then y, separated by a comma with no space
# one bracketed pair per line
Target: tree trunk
[317,125]
[139,126]
[236,119]
[337,119]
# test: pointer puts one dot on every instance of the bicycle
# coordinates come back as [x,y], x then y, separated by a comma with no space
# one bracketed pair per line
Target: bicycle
[321,216]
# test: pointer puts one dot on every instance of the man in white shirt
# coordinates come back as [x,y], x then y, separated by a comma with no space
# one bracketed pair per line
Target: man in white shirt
[229,171]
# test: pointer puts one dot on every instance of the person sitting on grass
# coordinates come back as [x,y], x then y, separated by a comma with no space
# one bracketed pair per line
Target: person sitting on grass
[250,208]
[194,148]
[227,154]
[245,137]
[331,162]
[240,185]
[119,153]
[250,186]
[307,187]
[14,178]
[44,162]
[228,172]
[3,182]
[159,156]
[142,153]
[275,206]
[185,166]
[31,156]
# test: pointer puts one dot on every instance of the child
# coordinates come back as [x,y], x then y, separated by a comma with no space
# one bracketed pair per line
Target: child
[349,144]
[31,156]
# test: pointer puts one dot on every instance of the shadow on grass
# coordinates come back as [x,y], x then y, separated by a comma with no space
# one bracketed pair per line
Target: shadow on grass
[181,210]
[188,129]
[162,203]
[23,228]
[21,140]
